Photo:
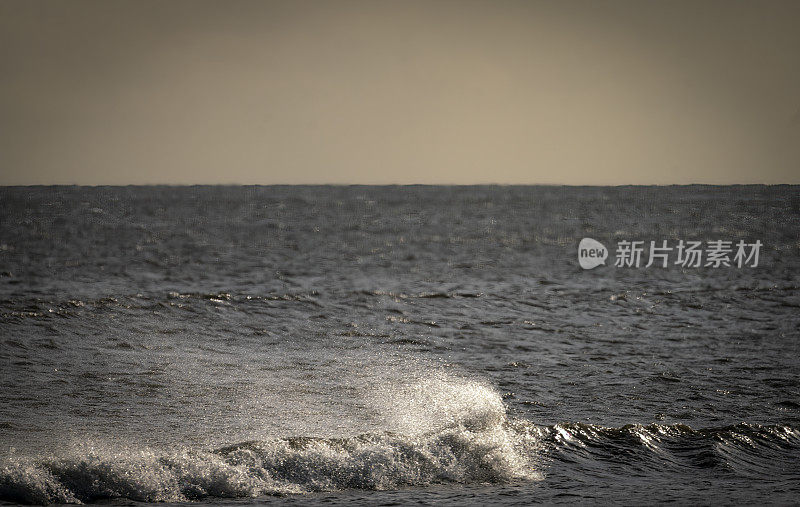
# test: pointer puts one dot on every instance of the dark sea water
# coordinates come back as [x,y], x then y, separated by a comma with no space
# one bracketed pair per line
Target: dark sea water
[395,345]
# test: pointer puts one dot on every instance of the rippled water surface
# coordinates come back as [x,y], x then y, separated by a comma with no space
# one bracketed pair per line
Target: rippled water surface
[394,344]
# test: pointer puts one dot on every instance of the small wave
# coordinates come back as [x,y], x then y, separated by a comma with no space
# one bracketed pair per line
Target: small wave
[752,434]
[741,450]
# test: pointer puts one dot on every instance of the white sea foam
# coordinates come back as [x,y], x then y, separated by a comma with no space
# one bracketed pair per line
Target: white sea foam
[442,430]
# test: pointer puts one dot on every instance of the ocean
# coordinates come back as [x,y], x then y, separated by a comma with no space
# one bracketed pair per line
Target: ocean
[400,345]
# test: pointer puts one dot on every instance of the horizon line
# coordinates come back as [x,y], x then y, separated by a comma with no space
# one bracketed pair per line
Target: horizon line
[399,185]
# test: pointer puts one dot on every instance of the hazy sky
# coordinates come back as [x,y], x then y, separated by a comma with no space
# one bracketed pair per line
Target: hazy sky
[598,92]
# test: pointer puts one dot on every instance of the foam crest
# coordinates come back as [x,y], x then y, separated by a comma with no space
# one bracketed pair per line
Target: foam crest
[439,401]
[445,431]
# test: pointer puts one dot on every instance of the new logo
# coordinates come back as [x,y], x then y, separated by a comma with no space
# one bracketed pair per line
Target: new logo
[591,253]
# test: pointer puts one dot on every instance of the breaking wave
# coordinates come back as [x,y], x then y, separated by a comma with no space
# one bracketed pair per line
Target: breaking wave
[436,430]
[471,441]
[487,450]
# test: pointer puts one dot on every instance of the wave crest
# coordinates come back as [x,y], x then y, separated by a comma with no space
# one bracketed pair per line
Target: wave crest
[472,441]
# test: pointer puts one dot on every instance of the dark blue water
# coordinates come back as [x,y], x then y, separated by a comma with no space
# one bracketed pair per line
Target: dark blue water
[385,345]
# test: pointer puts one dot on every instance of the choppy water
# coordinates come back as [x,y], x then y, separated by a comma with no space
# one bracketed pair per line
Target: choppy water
[394,344]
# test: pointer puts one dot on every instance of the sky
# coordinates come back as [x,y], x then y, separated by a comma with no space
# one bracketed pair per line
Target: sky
[113,92]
